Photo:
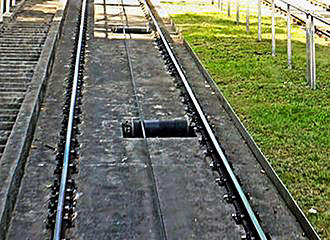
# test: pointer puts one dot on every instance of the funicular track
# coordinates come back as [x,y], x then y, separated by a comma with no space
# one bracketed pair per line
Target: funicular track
[226,177]
[63,205]
[63,201]
[244,214]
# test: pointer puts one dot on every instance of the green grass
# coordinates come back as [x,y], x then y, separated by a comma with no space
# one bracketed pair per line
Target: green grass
[289,121]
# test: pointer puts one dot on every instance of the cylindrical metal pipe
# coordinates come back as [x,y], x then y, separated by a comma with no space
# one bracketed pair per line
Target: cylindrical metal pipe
[307,50]
[229,2]
[259,21]
[289,37]
[131,30]
[159,128]
[237,11]
[2,8]
[7,6]
[313,85]
[310,52]
[248,16]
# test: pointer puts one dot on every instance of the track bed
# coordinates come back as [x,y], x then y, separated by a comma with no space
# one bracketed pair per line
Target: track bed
[143,187]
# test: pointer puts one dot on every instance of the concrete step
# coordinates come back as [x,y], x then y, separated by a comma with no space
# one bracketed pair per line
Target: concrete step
[27,65]
[2,148]
[12,57]
[16,74]
[6,125]
[3,140]
[10,85]
[14,89]
[8,118]
[11,100]
[8,112]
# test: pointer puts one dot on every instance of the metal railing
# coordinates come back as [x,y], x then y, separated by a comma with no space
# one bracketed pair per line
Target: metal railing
[287,8]
[310,37]
[5,6]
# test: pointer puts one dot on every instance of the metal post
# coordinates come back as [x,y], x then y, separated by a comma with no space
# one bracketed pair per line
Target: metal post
[259,20]
[273,29]
[2,7]
[237,11]
[313,54]
[221,6]
[307,50]
[228,8]
[7,6]
[13,3]
[289,37]
[310,52]
[248,16]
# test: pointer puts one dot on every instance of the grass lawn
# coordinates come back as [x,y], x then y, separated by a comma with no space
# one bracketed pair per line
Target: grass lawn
[289,121]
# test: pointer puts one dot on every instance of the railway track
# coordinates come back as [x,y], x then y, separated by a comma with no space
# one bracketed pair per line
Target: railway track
[63,191]
[138,153]
[226,177]
[62,203]
[63,199]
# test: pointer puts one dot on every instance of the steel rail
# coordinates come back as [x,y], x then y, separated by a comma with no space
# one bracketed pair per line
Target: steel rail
[257,227]
[65,168]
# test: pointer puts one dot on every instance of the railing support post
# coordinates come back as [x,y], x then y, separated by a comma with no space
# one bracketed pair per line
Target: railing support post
[228,8]
[7,6]
[248,16]
[273,29]
[310,52]
[237,11]
[289,37]
[2,8]
[259,20]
